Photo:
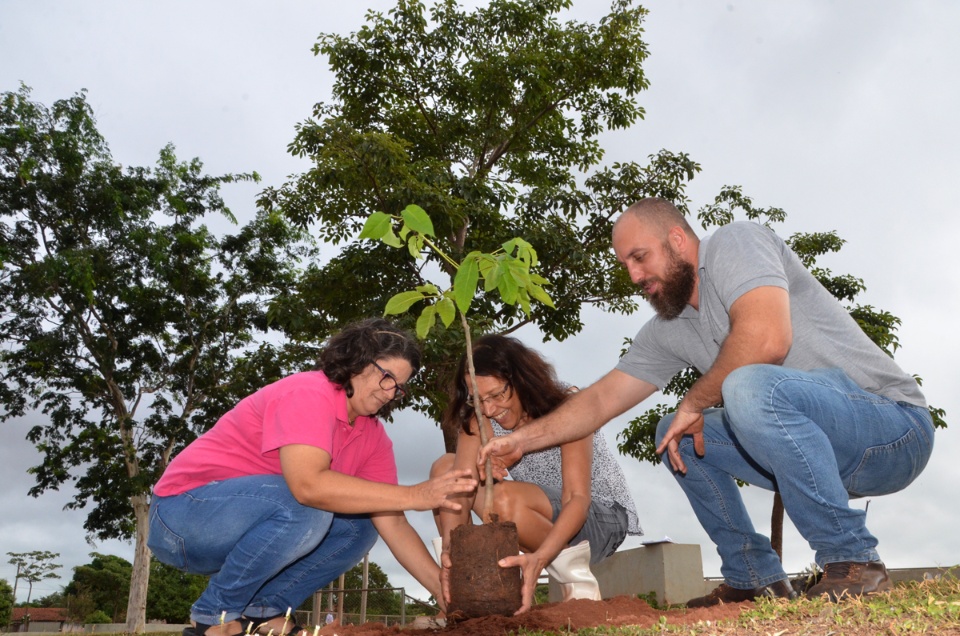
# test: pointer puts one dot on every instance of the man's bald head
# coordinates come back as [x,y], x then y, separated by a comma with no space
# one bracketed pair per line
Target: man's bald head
[658,215]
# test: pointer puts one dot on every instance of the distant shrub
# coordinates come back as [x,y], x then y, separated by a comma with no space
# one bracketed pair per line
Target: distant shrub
[98,617]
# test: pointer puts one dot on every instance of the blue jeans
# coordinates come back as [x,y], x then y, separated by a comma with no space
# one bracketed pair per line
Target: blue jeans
[818,439]
[264,551]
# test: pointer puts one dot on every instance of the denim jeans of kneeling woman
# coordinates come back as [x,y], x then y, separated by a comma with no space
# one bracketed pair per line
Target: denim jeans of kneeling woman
[264,551]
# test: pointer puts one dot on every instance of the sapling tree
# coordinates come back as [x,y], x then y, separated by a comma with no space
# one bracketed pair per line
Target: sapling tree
[508,271]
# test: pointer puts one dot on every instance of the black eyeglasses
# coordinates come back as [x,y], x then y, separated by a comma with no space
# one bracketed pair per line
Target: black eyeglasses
[389,383]
[502,394]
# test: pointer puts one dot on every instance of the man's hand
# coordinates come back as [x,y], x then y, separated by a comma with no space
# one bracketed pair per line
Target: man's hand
[531,565]
[685,422]
[503,452]
[433,493]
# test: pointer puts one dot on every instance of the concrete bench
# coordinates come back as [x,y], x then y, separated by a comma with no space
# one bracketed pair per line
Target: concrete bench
[672,571]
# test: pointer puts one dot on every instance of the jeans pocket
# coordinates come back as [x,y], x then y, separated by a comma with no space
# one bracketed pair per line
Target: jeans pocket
[165,544]
[888,468]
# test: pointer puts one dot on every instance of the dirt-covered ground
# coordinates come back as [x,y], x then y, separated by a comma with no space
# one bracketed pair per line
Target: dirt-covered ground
[572,615]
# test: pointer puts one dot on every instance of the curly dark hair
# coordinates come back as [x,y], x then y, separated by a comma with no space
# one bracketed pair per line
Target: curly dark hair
[349,352]
[533,378]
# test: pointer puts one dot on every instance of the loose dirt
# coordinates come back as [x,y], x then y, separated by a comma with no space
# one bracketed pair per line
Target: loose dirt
[559,617]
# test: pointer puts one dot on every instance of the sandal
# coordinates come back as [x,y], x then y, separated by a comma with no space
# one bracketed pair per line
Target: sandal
[200,629]
[251,625]
[196,630]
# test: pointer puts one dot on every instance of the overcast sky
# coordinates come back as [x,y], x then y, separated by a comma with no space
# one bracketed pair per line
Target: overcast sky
[842,113]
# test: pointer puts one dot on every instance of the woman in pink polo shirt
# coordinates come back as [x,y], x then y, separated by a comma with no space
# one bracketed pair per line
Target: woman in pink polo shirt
[291,487]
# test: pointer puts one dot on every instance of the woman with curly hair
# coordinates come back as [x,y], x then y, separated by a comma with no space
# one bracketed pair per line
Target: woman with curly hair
[292,486]
[570,503]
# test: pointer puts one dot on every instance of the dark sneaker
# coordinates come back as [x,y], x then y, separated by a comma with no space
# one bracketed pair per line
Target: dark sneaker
[851,578]
[727,594]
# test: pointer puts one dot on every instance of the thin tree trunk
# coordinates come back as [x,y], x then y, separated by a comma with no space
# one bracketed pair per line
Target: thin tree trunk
[776,525]
[16,580]
[140,577]
[481,425]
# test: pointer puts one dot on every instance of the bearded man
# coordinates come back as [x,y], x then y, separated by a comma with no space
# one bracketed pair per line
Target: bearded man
[793,397]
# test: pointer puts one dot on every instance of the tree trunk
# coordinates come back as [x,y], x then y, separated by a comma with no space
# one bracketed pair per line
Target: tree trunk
[776,525]
[140,577]
[16,580]
[482,425]
[478,585]
[450,434]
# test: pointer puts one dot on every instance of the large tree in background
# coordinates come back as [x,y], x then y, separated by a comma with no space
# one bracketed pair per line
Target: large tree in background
[103,585]
[172,593]
[637,439]
[124,320]
[489,120]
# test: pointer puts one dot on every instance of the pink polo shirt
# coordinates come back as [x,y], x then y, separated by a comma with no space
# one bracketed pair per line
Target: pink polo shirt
[304,408]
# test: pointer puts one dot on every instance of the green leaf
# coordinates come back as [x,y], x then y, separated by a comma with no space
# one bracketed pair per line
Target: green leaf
[377,226]
[428,317]
[540,294]
[507,287]
[428,290]
[524,300]
[401,302]
[465,282]
[520,272]
[447,310]
[489,271]
[525,251]
[391,239]
[418,220]
[415,246]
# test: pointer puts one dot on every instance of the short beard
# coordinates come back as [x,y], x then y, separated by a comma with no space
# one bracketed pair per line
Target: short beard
[676,288]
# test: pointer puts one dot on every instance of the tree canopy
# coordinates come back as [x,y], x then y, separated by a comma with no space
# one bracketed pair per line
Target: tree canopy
[380,600]
[489,120]
[125,320]
[104,583]
[172,593]
[34,567]
[6,602]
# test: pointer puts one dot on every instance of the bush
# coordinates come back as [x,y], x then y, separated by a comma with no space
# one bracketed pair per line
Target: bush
[98,617]
[6,602]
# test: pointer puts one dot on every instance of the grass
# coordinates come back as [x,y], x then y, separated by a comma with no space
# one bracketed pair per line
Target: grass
[918,607]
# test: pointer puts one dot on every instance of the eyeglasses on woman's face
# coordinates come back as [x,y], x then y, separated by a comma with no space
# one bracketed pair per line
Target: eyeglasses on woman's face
[389,383]
[500,396]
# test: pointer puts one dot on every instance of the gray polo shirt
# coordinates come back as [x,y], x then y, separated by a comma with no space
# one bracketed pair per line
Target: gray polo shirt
[737,258]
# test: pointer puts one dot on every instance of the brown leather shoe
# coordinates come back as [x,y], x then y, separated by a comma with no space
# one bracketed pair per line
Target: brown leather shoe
[726,594]
[851,578]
